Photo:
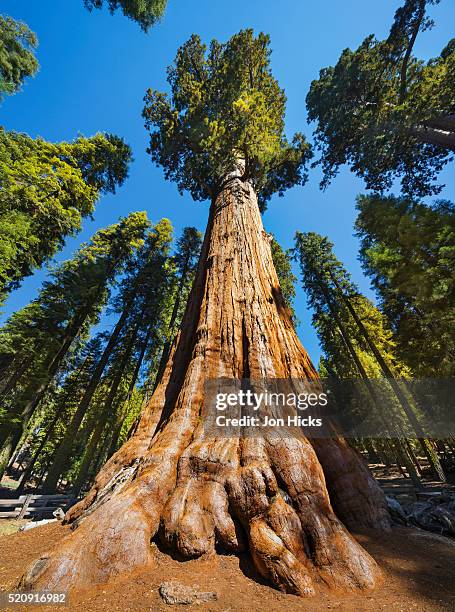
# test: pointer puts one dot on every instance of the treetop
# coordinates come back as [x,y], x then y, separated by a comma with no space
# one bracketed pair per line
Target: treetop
[224,104]
[386,113]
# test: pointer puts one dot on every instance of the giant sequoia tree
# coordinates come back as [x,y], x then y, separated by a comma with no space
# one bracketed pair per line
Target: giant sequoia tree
[220,135]
[386,113]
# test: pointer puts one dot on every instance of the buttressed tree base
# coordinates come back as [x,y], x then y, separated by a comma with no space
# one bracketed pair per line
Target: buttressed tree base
[199,494]
[288,501]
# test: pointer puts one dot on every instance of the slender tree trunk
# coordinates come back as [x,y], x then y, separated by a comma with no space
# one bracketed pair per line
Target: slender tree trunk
[15,377]
[15,456]
[55,361]
[370,448]
[29,469]
[171,326]
[413,457]
[446,123]
[52,367]
[8,448]
[64,450]
[72,329]
[413,36]
[58,415]
[103,417]
[123,412]
[197,493]
[5,454]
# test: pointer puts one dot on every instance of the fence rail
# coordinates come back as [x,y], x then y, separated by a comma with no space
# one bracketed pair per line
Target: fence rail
[34,506]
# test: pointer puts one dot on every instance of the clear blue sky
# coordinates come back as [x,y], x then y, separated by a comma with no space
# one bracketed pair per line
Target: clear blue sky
[95,69]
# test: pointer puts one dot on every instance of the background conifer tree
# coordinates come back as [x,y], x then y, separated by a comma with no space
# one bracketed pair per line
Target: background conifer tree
[17,55]
[46,190]
[145,12]
[37,339]
[408,251]
[386,113]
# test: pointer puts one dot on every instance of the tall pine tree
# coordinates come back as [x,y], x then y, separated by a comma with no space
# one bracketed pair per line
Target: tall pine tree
[47,426]
[17,55]
[143,297]
[185,260]
[36,340]
[332,292]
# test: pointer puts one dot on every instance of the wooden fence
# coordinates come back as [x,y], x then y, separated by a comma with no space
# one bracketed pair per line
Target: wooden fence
[34,506]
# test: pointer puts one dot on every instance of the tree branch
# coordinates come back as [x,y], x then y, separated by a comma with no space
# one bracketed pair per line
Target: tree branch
[440,138]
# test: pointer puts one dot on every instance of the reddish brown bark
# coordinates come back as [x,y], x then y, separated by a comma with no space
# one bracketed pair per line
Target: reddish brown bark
[199,494]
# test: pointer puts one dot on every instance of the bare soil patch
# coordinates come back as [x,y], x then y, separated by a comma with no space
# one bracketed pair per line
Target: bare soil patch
[419,574]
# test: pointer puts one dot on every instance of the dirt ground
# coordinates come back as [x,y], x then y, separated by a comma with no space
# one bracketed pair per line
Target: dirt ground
[419,574]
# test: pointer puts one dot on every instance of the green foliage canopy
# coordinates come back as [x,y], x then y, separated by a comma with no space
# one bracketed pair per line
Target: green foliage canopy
[17,58]
[144,295]
[65,309]
[187,250]
[148,268]
[225,105]
[142,299]
[46,190]
[408,250]
[386,113]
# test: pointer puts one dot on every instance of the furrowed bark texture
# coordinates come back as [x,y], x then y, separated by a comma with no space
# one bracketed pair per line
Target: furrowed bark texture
[199,494]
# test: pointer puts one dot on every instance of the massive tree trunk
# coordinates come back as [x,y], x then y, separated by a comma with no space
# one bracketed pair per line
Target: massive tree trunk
[275,497]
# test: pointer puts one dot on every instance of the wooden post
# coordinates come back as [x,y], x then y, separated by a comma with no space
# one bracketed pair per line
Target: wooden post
[28,499]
